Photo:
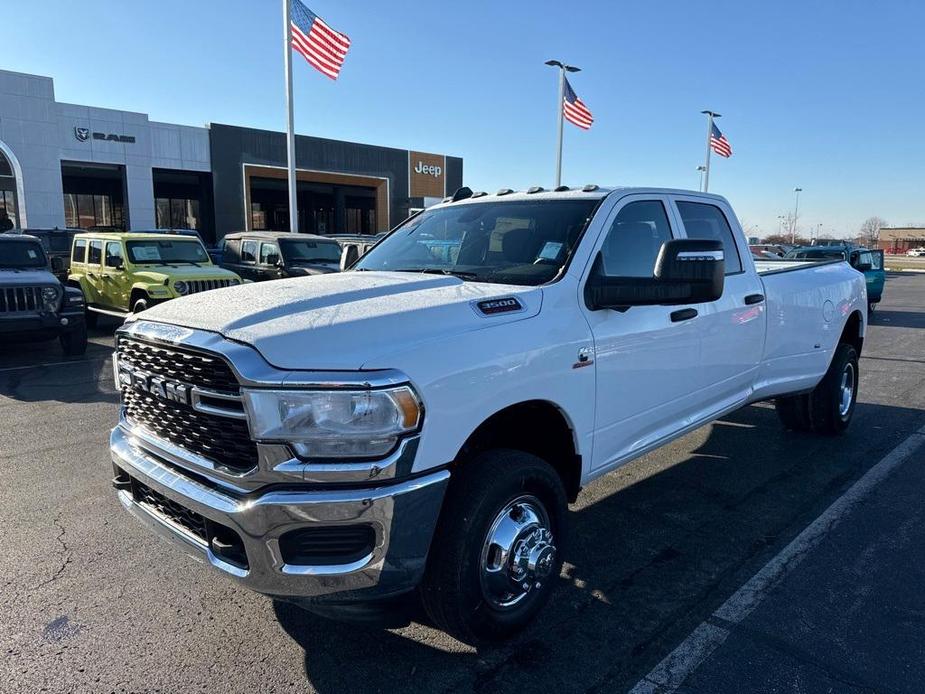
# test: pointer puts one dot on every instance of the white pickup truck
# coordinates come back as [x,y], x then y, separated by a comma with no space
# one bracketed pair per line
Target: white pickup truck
[421,421]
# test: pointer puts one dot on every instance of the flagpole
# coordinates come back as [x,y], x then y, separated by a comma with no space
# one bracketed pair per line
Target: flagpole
[706,165]
[290,124]
[559,109]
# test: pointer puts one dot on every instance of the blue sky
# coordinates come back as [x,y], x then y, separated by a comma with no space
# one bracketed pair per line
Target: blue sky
[826,95]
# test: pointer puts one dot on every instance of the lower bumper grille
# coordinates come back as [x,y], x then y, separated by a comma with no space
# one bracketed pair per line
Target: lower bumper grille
[189,521]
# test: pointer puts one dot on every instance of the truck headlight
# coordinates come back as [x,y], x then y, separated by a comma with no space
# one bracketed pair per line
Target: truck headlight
[180,287]
[50,298]
[334,423]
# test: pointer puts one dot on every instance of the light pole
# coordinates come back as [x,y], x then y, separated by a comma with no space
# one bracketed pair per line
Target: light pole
[563,68]
[796,209]
[701,170]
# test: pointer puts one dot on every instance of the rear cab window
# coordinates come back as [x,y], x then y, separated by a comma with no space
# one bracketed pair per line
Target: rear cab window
[707,221]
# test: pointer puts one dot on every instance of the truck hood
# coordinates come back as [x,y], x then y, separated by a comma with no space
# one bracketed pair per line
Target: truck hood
[26,278]
[343,321]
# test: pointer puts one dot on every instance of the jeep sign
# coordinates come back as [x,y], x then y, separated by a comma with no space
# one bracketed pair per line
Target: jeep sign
[426,175]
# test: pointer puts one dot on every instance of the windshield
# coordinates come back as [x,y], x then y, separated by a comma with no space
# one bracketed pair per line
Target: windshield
[504,242]
[167,252]
[21,254]
[308,251]
[817,254]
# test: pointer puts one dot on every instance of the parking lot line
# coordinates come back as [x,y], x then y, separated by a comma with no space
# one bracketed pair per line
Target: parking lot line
[674,669]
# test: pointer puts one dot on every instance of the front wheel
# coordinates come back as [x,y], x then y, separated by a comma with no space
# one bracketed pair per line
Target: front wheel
[497,551]
[140,305]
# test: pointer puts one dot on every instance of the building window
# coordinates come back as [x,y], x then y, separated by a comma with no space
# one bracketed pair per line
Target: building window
[177,213]
[258,217]
[8,216]
[82,210]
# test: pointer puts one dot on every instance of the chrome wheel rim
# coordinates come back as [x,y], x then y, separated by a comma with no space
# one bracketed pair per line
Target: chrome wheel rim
[519,553]
[846,390]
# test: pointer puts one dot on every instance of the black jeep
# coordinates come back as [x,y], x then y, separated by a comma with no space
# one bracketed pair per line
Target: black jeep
[34,305]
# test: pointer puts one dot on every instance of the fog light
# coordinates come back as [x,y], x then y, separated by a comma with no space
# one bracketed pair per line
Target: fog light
[64,321]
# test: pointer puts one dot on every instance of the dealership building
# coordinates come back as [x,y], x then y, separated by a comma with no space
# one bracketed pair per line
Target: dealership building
[81,166]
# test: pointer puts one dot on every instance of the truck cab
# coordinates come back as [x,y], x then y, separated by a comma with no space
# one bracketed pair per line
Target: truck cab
[122,273]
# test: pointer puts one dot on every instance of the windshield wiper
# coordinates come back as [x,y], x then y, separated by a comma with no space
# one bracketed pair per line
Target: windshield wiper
[463,274]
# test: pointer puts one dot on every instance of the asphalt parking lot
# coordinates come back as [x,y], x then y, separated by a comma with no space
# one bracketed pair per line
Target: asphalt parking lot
[90,601]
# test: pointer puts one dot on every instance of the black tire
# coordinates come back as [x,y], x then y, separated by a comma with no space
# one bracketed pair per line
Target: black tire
[453,593]
[829,412]
[793,411]
[74,342]
[823,410]
[140,305]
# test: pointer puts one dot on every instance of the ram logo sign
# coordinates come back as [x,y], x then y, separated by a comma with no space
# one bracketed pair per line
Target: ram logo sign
[82,134]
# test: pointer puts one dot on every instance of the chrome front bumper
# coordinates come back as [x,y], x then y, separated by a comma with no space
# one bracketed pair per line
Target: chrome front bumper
[403,516]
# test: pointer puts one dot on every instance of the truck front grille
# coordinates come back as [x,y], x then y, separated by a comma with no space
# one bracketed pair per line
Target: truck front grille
[225,441]
[20,299]
[195,286]
[190,521]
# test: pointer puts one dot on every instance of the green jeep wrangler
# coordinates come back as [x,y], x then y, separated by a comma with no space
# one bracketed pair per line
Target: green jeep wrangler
[121,273]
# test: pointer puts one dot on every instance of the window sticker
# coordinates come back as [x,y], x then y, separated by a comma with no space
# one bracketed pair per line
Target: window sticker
[550,250]
[32,254]
[147,253]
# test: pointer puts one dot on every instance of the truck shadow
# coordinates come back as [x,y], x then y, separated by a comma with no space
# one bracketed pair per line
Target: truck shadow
[656,546]
[898,319]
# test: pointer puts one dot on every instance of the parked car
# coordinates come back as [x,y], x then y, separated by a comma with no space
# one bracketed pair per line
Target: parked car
[34,304]
[56,243]
[916,252]
[420,424]
[130,272]
[865,260]
[270,255]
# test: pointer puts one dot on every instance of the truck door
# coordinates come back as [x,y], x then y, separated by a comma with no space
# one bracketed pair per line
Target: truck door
[645,357]
[732,329]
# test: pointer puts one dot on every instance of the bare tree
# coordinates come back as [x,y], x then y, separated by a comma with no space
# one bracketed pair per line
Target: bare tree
[870,229]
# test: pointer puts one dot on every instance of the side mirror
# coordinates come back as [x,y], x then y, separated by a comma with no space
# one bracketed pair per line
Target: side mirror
[57,263]
[687,271]
[275,260]
[348,256]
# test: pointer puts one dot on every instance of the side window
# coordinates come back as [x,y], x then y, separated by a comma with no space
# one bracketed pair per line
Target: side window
[114,254]
[634,240]
[232,251]
[704,221]
[269,254]
[96,252]
[249,252]
[80,251]
[876,260]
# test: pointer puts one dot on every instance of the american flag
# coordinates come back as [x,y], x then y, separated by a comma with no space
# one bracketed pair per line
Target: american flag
[574,109]
[323,48]
[719,143]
